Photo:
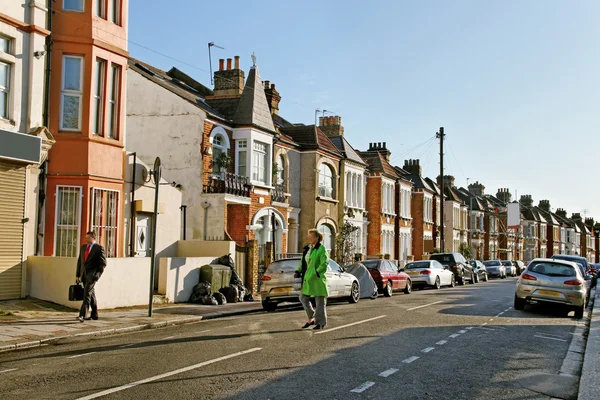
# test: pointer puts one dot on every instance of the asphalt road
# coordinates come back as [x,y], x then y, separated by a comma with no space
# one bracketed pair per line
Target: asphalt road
[461,343]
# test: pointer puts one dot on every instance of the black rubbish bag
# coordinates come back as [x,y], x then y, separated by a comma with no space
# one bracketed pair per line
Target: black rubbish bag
[220,298]
[248,297]
[200,290]
[209,301]
[231,293]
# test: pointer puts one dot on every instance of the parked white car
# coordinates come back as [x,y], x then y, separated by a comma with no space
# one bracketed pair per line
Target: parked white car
[429,273]
[278,284]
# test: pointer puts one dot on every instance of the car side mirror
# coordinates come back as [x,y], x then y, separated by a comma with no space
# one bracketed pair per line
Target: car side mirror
[400,269]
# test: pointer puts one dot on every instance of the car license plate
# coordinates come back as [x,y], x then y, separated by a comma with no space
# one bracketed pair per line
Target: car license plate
[412,273]
[282,289]
[549,293]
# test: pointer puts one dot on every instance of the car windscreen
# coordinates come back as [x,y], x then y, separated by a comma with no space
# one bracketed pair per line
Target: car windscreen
[419,264]
[492,263]
[444,259]
[552,269]
[371,264]
[283,266]
[507,263]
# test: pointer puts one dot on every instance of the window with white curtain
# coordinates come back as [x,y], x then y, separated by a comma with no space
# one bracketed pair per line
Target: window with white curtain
[259,162]
[326,188]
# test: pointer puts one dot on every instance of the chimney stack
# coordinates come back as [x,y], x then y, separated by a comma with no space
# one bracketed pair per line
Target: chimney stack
[589,222]
[561,212]
[477,189]
[413,167]
[331,126]
[545,205]
[526,200]
[273,97]
[447,179]
[381,148]
[504,195]
[229,82]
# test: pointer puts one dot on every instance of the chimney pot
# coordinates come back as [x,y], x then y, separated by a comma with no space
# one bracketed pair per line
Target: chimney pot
[267,84]
[221,64]
[228,64]
[273,86]
[236,62]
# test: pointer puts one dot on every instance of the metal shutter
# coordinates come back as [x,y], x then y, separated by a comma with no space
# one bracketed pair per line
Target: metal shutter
[12,205]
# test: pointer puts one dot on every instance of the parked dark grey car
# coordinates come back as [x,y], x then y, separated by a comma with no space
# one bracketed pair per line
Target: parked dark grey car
[456,263]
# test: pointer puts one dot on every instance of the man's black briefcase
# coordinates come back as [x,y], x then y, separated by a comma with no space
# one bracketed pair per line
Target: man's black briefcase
[76,292]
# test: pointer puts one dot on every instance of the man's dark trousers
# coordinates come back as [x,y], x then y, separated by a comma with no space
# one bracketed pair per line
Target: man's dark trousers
[90,266]
[89,298]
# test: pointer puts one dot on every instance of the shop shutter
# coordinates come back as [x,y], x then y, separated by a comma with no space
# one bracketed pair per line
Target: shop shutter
[12,205]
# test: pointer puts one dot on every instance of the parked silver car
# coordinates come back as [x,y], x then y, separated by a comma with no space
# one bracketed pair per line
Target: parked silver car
[511,270]
[278,284]
[429,273]
[495,268]
[552,281]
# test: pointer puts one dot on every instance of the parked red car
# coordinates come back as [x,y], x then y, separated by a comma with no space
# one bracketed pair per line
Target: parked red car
[388,277]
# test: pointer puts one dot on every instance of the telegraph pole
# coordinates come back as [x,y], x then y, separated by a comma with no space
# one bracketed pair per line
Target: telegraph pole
[440,135]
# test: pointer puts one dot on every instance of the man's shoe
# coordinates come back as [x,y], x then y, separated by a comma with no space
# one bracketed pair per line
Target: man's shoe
[80,319]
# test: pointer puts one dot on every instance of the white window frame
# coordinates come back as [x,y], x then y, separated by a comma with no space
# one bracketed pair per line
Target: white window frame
[57,216]
[102,229]
[71,93]
[260,151]
[99,93]
[280,162]
[114,103]
[242,146]
[332,188]
[74,10]
[6,90]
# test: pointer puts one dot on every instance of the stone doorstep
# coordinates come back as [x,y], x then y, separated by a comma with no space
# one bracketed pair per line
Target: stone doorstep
[126,329]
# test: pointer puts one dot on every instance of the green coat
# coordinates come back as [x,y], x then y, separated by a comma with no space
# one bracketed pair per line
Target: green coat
[315,281]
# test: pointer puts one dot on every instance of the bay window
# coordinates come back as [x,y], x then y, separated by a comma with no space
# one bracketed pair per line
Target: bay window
[326,188]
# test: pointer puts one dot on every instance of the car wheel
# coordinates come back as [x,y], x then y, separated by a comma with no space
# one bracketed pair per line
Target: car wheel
[408,287]
[519,303]
[387,291]
[452,281]
[436,285]
[354,293]
[485,278]
[269,305]
[579,312]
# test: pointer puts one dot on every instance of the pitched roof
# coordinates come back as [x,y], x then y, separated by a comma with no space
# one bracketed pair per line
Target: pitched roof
[190,90]
[346,149]
[453,195]
[433,185]
[378,163]
[547,217]
[253,108]
[470,199]
[310,137]
[417,180]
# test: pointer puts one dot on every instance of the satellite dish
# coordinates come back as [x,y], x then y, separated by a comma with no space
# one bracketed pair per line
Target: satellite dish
[145,175]
[156,172]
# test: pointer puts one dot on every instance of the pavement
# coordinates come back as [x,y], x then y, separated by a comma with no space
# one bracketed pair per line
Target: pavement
[589,385]
[31,323]
[454,343]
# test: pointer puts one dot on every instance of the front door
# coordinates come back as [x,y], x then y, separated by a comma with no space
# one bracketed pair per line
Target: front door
[143,231]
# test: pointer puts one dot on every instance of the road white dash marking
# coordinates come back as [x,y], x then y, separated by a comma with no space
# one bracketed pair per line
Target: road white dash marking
[208,330]
[484,324]
[469,327]
[442,342]
[126,345]
[548,334]
[8,370]
[388,372]
[487,329]
[428,349]
[348,325]
[167,374]
[455,335]
[82,355]
[502,313]
[410,359]
[362,387]
[462,331]
[551,338]
[424,305]
[169,337]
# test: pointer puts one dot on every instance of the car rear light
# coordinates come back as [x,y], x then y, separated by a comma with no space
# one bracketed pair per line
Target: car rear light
[265,278]
[574,282]
[454,266]
[425,272]
[528,277]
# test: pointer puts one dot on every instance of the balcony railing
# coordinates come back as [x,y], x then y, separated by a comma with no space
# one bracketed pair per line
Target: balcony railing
[228,183]
[279,193]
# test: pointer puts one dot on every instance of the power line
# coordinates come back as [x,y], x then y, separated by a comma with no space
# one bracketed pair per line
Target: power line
[402,155]
[457,163]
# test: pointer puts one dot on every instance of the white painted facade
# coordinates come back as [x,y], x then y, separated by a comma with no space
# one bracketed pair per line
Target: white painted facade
[452,218]
[404,214]
[355,182]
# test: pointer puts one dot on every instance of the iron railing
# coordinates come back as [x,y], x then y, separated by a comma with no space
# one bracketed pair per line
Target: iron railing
[229,183]
[279,193]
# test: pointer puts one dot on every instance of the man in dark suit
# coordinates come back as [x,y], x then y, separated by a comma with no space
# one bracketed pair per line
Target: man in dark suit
[90,266]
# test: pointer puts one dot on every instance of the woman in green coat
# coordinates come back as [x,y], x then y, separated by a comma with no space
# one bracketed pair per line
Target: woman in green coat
[313,269]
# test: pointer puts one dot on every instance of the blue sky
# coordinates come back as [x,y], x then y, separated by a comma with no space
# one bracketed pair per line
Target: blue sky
[516,84]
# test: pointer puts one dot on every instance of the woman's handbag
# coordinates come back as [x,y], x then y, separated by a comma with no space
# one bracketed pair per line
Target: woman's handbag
[76,292]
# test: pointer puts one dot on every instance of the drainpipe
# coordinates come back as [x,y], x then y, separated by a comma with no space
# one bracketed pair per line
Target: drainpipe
[184,209]
[43,183]
[132,210]
[205,205]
